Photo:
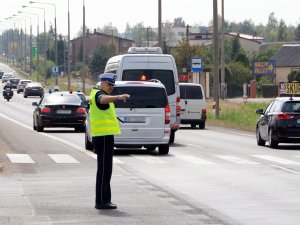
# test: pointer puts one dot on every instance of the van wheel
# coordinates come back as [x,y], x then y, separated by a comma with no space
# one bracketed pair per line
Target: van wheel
[163,149]
[172,137]
[201,125]
[193,125]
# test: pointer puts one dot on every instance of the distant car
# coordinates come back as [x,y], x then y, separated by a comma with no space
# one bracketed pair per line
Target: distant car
[144,118]
[279,123]
[1,74]
[21,85]
[14,82]
[59,109]
[6,77]
[33,89]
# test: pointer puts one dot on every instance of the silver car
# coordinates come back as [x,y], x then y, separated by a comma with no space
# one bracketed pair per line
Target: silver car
[21,85]
[144,119]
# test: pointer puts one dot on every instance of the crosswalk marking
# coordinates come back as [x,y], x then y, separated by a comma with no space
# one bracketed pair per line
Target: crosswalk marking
[195,160]
[150,159]
[115,160]
[63,158]
[20,158]
[277,159]
[237,160]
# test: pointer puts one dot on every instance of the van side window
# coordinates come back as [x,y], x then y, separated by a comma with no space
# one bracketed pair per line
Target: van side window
[166,77]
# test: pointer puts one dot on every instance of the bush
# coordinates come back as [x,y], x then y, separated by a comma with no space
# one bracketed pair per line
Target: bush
[269,90]
[294,76]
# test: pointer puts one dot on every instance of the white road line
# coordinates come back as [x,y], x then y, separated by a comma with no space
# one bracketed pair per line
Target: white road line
[117,161]
[195,160]
[237,160]
[63,158]
[277,159]
[20,158]
[150,159]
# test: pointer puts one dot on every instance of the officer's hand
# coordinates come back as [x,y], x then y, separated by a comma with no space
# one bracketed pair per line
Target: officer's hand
[124,97]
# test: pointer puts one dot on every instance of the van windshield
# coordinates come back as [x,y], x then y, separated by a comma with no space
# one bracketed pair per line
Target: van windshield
[190,92]
[166,77]
[141,97]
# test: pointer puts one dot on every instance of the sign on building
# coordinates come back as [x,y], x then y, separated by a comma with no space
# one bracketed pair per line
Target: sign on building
[264,67]
[55,70]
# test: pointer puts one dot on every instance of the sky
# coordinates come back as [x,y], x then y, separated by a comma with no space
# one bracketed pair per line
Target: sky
[120,12]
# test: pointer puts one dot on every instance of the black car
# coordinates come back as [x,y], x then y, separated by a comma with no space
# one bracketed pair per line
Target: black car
[59,110]
[1,74]
[279,123]
[33,89]
[14,82]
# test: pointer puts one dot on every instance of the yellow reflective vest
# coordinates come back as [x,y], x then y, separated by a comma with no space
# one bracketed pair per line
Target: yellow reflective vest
[102,122]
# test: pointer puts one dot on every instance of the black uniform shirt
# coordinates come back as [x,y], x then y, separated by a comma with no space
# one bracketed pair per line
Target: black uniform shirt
[98,96]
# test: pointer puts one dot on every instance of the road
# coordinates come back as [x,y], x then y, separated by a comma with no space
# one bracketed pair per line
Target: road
[213,176]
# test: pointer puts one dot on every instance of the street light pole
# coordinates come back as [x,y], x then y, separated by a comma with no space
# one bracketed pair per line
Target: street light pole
[159,24]
[216,58]
[45,39]
[55,42]
[69,52]
[37,40]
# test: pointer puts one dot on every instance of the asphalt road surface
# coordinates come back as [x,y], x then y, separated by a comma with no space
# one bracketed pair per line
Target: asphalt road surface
[212,176]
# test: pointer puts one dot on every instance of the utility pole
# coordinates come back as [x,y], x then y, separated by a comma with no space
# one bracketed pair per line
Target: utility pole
[147,30]
[83,50]
[159,24]
[69,52]
[216,59]
[223,92]
[187,34]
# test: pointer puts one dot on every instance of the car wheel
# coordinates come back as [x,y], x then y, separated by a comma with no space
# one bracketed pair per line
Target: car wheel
[163,149]
[201,125]
[272,142]
[88,144]
[34,126]
[25,96]
[80,129]
[172,137]
[259,140]
[193,125]
[39,128]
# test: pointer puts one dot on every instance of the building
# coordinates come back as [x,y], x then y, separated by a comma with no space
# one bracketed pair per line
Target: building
[97,39]
[286,59]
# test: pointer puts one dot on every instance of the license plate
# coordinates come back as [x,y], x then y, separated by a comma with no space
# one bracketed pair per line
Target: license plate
[134,119]
[298,120]
[34,89]
[63,111]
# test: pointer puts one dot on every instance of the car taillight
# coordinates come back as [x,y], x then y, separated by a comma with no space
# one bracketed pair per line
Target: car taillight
[45,110]
[167,114]
[285,116]
[178,106]
[80,110]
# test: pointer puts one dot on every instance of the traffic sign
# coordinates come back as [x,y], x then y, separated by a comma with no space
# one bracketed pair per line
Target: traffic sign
[196,65]
[264,67]
[34,42]
[35,52]
[55,70]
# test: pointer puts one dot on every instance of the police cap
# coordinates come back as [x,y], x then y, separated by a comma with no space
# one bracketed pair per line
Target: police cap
[108,77]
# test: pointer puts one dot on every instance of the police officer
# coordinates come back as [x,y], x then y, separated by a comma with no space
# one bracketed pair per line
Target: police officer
[104,125]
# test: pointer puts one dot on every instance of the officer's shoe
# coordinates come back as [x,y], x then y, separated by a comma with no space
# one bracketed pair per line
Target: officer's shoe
[106,206]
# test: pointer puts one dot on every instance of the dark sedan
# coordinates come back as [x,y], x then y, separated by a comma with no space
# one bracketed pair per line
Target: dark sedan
[33,89]
[59,110]
[279,123]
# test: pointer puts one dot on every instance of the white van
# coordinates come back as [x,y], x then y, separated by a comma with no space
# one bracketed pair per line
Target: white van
[192,105]
[144,118]
[145,63]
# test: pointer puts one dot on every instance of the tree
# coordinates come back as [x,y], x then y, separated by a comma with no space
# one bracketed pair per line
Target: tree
[179,22]
[242,58]
[100,57]
[281,35]
[294,76]
[272,21]
[61,50]
[297,33]
[235,47]
[109,29]
[239,73]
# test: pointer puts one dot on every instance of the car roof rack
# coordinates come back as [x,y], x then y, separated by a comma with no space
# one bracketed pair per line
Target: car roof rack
[145,50]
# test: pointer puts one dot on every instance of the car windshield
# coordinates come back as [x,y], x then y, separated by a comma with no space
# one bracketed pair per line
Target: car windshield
[291,107]
[164,76]
[60,99]
[141,97]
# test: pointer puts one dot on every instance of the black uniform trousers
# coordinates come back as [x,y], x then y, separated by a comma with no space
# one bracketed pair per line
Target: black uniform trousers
[104,147]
